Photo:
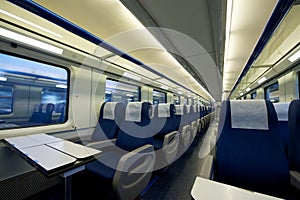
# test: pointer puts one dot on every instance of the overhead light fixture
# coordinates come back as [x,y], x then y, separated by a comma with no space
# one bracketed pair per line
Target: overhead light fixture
[30,41]
[3,78]
[61,86]
[129,67]
[132,76]
[179,92]
[129,95]
[248,89]
[241,94]
[108,92]
[263,79]
[29,23]
[164,87]
[295,56]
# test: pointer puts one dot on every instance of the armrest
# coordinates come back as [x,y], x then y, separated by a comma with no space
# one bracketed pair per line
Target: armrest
[102,144]
[207,167]
[170,146]
[295,179]
[134,172]
[127,161]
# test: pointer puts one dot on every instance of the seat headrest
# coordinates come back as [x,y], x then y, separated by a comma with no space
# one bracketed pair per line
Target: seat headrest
[249,114]
[109,110]
[179,109]
[164,110]
[282,111]
[133,111]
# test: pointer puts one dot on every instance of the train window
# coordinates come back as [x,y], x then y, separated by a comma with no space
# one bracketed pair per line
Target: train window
[32,93]
[121,92]
[272,93]
[253,95]
[6,99]
[176,99]
[159,97]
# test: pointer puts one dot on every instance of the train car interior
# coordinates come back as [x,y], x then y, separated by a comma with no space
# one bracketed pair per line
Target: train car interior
[149,99]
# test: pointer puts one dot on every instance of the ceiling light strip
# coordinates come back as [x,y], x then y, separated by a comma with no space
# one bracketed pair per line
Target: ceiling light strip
[29,41]
[29,23]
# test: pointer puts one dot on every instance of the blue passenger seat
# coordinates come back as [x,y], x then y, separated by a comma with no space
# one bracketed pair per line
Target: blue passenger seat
[294,146]
[127,163]
[166,138]
[110,119]
[249,150]
[282,115]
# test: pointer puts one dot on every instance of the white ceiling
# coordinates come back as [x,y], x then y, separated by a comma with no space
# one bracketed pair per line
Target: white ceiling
[193,29]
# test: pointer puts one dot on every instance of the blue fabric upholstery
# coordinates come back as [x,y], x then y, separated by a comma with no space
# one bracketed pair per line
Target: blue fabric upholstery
[106,165]
[106,128]
[252,159]
[294,127]
[131,135]
[282,115]
[162,126]
[181,120]
[136,134]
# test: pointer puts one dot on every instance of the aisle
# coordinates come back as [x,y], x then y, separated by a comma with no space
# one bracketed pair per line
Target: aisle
[177,181]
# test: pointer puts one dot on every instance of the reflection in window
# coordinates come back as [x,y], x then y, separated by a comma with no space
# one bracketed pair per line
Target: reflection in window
[6,100]
[32,93]
[159,97]
[272,93]
[121,92]
[253,95]
[176,99]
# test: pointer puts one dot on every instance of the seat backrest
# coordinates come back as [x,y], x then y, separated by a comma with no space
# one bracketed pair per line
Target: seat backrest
[164,119]
[110,119]
[42,113]
[48,113]
[180,116]
[282,115]
[136,129]
[190,113]
[294,127]
[249,151]
[36,113]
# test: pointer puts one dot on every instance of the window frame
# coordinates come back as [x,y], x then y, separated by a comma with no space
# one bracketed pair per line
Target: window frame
[51,64]
[126,83]
[159,91]
[267,93]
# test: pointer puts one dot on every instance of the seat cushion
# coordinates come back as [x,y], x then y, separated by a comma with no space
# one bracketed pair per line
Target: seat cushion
[105,166]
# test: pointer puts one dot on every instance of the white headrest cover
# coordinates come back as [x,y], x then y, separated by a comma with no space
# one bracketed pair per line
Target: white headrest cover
[164,110]
[249,114]
[109,110]
[179,110]
[133,111]
[282,110]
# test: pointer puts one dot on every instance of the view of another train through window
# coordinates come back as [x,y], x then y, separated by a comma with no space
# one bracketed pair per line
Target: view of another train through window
[30,96]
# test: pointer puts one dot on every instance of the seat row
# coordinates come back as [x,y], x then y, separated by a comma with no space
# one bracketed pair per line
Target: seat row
[257,147]
[139,138]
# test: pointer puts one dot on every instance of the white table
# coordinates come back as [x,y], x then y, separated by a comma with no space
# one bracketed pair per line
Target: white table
[205,189]
[53,155]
